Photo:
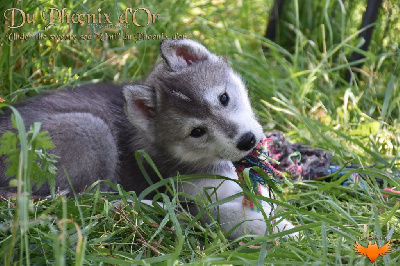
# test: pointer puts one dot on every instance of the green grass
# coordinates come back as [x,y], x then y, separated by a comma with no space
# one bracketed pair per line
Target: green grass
[297,86]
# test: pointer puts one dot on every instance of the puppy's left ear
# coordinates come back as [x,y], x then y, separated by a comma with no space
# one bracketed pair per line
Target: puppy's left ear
[180,54]
[140,107]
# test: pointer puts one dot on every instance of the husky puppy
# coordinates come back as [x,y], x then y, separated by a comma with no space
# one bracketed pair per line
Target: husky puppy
[192,115]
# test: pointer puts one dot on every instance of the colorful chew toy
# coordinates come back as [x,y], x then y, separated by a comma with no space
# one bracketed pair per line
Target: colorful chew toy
[275,158]
[260,157]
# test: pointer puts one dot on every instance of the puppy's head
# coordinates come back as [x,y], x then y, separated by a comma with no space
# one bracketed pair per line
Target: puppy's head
[194,106]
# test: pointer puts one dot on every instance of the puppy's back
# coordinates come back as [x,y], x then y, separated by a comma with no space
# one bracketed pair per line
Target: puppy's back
[84,124]
[102,100]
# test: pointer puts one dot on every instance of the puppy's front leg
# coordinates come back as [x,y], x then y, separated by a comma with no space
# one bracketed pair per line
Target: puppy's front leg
[233,213]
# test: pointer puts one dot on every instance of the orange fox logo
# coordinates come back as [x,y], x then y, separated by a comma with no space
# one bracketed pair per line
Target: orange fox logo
[372,251]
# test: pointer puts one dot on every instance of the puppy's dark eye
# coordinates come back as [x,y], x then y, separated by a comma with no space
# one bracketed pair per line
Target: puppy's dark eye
[224,99]
[197,132]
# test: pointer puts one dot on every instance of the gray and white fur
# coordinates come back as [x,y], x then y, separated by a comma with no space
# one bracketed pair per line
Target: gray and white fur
[192,115]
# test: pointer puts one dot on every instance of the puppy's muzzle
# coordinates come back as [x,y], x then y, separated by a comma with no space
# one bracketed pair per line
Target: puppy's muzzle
[246,142]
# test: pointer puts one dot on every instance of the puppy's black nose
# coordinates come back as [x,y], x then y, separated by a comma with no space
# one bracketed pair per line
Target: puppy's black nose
[247,142]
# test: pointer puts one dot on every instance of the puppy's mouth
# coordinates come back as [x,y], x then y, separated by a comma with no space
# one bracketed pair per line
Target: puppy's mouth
[247,153]
[235,156]
[242,157]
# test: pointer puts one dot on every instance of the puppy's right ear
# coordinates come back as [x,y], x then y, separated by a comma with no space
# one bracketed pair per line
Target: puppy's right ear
[140,106]
[180,54]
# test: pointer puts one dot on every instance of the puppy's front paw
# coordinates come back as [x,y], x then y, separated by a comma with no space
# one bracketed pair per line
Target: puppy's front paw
[286,225]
